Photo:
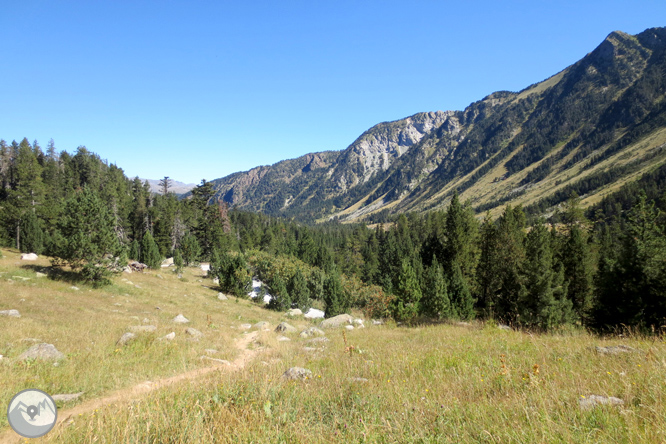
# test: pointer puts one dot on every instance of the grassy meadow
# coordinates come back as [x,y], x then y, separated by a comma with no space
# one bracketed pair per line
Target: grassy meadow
[444,383]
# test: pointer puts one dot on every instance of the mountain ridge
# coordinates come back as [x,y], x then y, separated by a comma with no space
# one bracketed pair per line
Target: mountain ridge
[509,147]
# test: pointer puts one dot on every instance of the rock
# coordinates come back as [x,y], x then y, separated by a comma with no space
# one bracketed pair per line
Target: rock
[143,328]
[297,374]
[45,352]
[216,281]
[41,275]
[294,312]
[171,336]
[263,325]
[126,339]
[28,257]
[74,288]
[10,313]
[67,398]
[615,349]
[504,327]
[283,327]
[127,269]
[219,361]
[349,327]
[283,339]
[245,326]
[358,380]
[180,319]
[205,266]
[592,401]
[222,297]
[137,266]
[462,324]
[320,340]
[337,321]
[359,322]
[313,313]
[167,263]
[196,334]
[312,331]
[210,351]
[377,322]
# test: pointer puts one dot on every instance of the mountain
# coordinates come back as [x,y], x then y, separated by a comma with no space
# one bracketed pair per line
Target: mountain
[176,187]
[591,128]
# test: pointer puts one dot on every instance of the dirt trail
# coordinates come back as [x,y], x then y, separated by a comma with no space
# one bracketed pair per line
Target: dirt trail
[130,393]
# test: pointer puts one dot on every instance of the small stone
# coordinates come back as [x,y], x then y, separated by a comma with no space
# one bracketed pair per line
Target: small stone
[196,334]
[46,352]
[28,257]
[222,297]
[312,331]
[40,275]
[337,321]
[349,327]
[118,304]
[297,374]
[294,312]
[126,339]
[10,313]
[180,319]
[171,336]
[283,339]
[615,349]
[283,327]
[320,340]
[143,328]
[74,288]
[590,401]
[67,397]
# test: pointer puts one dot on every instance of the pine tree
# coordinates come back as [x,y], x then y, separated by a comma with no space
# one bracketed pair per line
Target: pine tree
[435,301]
[408,294]
[178,261]
[461,246]
[510,238]
[135,250]
[488,269]
[299,291]
[543,302]
[280,298]
[31,234]
[150,254]
[190,249]
[462,302]
[335,298]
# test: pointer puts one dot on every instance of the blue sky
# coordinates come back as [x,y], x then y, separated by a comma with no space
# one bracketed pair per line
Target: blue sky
[197,89]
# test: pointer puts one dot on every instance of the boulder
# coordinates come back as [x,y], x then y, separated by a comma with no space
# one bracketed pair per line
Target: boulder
[283,327]
[137,266]
[313,313]
[359,323]
[171,336]
[337,321]
[196,334]
[504,327]
[10,313]
[126,339]
[67,397]
[349,327]
[28,257]
[312,331]
[44,352]
[263,325]
[143,328]
[591,401]
[294,312]
[615,349]
[74,288]
[297,374]
[180,319]
[377,322]
[167,263]
[222,297]
[205,267]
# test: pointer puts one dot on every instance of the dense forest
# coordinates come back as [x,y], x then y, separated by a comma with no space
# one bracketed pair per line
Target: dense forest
[600,269]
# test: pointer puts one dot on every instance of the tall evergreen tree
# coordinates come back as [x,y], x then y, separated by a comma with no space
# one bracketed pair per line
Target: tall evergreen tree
[335,298]
[280,298]
[488,269]
[462,302]
[510,238]
[408,294]
[435,301]
[150,253]
[300,293]
[32,234]
[461,246]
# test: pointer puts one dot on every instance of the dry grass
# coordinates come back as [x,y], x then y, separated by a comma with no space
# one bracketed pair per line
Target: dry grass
[437,383]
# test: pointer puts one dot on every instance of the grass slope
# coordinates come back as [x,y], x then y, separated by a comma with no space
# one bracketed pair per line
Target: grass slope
[439,383]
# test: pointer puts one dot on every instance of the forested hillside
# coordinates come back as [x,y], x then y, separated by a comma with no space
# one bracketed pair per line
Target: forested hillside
[591,128]
[443,264]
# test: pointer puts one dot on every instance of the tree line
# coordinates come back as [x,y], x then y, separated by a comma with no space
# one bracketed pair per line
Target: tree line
[85,213]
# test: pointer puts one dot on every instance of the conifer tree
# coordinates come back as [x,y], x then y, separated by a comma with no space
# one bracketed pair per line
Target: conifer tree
[510,238]
[543,302]
[488,269]
[299,291]
[334,295]
[461,246]
[280,300]
[134,250]
[150,253]
[178,261]
[190,249]
[408,294]
[435,301]
[462,302]
[31,234]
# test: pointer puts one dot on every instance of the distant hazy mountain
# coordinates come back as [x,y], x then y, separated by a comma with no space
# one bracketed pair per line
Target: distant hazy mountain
[590,128]
[176,187]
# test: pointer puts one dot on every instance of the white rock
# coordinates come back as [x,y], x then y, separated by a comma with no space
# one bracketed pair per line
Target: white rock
[28,257]
[294,312]
[10,313]
[180,319]
[262,325]
[74,288]
[283,339]
[313,313]
[126,338]
[171,336]
[245,326]
[349,327]
[196,334]
[591,401]
[205,266]
[337,321]
[222,297]
[40,275]
[167,263]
